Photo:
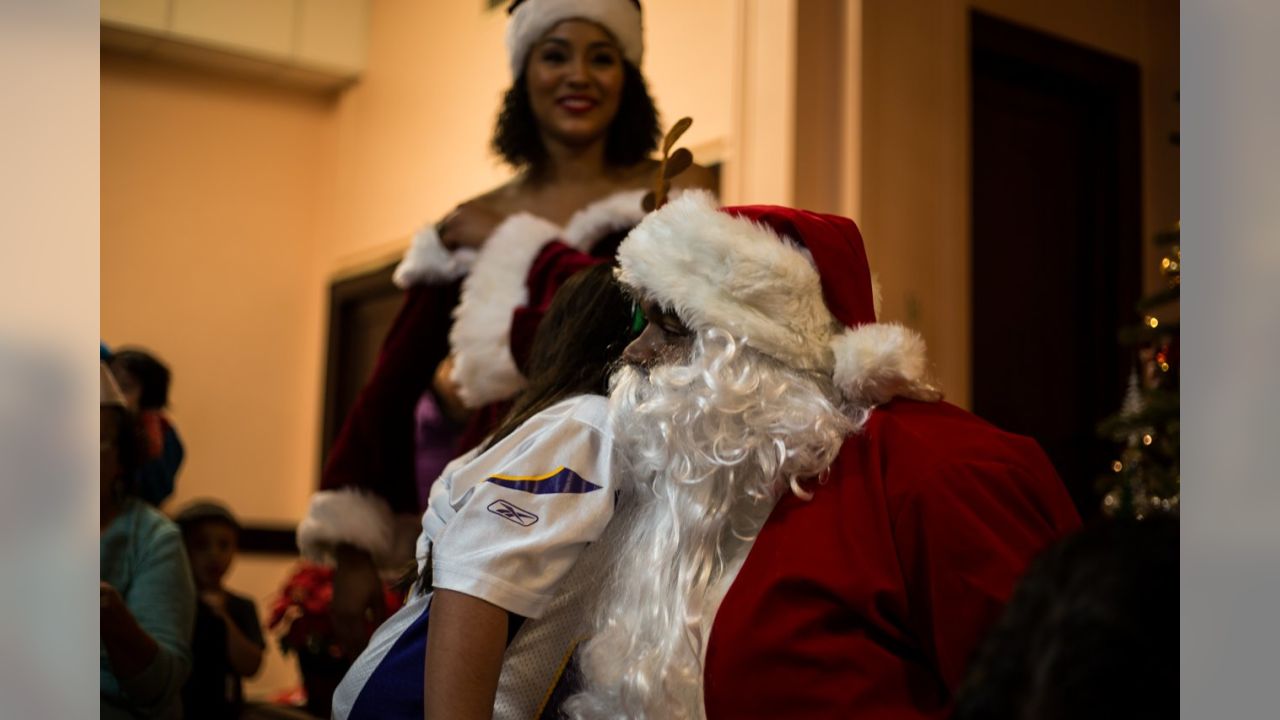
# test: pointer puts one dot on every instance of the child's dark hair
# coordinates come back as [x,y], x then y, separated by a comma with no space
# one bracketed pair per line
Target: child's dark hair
[633,134]
[1090,632]
[578,343]
[199,512]
[151,375]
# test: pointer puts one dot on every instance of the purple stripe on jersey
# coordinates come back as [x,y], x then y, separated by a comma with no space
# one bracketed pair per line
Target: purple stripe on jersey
[563,481]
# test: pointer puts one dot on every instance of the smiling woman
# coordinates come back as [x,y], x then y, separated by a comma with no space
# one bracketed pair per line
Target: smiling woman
[578,126]
[576,87]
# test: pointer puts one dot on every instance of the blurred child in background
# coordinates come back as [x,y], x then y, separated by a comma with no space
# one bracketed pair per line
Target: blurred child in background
[227,645]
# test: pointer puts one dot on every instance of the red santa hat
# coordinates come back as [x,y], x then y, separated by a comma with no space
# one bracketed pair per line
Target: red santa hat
[531,19]
[794,285]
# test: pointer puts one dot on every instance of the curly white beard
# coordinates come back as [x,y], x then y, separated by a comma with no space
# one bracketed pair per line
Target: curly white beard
[707,448]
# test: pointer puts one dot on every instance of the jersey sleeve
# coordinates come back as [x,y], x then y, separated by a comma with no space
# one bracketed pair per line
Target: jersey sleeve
[525,510]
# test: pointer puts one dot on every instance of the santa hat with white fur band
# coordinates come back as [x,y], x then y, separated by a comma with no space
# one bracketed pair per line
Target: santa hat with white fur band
[531,19]
[794,285]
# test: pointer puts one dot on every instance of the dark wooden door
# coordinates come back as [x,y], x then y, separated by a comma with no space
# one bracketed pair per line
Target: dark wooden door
[362,310]
[1056,239]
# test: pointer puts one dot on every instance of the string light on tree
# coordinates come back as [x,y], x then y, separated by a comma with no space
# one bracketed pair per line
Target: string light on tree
[1145,478]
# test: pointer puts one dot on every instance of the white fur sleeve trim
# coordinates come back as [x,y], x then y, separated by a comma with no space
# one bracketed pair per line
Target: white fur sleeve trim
[619,211]
[427,261]
[484,368]
[347,516]
[878,361]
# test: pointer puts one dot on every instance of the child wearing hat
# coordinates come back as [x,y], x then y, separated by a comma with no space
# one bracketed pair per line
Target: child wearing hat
[227,645]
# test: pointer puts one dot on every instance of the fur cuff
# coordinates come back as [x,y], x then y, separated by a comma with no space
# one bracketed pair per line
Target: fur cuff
[619,211]
[347,516]
[484,369]
[427,261]
[876,362]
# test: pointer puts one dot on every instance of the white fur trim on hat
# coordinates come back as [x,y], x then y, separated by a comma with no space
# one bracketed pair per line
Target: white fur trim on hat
[619,211]
[427,261]
[484,368]
[349,516]
[533,18]
[717,270]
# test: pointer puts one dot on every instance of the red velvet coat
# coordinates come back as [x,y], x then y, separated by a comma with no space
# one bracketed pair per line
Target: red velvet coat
[867,601]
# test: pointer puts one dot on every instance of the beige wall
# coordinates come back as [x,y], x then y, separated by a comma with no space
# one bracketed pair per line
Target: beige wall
[208,189]
[208,193]
[915,145]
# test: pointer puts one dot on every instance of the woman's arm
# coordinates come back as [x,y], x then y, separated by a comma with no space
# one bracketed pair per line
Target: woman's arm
[466,638]
[130,650]
[147,633]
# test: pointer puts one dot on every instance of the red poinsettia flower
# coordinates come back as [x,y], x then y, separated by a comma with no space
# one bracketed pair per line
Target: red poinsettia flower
[300,613]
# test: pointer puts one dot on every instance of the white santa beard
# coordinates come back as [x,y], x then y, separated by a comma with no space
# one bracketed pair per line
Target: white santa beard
[706,449]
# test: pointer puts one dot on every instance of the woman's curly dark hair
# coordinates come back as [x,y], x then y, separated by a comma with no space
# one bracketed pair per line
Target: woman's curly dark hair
[633,134]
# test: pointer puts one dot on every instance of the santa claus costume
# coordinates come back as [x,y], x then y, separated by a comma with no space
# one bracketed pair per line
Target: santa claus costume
[807,531]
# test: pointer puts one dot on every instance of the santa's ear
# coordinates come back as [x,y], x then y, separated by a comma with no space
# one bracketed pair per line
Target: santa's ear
[879,361]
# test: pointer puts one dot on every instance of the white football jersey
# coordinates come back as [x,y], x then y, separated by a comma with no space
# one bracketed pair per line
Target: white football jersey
[515,526]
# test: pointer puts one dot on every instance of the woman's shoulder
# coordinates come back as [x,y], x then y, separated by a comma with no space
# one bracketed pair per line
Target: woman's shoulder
[150,522]
[503,200]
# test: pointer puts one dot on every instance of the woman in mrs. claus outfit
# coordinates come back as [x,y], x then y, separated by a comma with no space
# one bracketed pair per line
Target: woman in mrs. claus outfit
[579,125]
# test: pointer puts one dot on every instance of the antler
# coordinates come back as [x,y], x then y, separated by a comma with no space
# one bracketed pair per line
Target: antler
[672,165]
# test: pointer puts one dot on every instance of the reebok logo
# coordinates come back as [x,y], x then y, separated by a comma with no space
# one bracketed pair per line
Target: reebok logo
[506,510]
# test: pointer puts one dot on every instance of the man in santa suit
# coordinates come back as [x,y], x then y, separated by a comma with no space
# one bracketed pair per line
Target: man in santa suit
[807,531]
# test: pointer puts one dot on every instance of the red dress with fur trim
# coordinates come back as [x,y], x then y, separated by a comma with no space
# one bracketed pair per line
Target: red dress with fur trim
[486,313]
[867,601]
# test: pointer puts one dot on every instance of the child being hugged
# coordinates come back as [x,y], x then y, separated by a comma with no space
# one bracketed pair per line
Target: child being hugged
[507,558]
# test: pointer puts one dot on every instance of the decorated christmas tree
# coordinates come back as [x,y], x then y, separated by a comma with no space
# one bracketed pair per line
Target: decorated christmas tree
[1144,478]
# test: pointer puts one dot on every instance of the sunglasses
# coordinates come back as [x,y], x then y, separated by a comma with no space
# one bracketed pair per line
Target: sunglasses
[638,320]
